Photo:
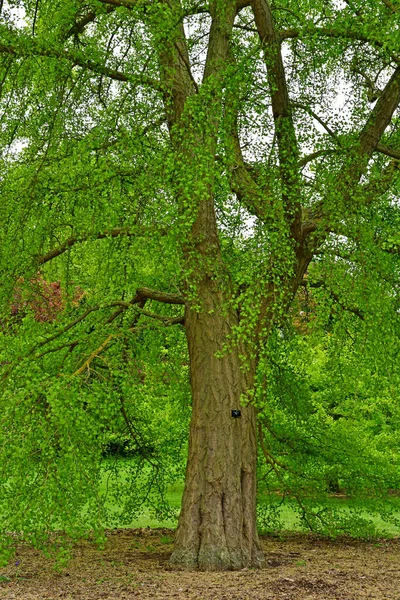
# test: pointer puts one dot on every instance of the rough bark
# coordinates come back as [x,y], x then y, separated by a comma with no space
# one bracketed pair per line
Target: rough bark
[217,526]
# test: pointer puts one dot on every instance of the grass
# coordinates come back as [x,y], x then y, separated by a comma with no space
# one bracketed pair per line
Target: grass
[285,515]
[146,516]
[365,514]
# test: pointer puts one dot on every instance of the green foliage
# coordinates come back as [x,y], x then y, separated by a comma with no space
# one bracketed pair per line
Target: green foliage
[116,130]
[329,405]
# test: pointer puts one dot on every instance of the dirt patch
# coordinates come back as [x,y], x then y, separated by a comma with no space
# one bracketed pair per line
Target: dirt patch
[134,564]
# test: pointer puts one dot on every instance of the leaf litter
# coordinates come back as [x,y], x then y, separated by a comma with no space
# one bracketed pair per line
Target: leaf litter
[134,564]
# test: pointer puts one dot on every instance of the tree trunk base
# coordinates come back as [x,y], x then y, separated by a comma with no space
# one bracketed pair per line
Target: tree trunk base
[216,559]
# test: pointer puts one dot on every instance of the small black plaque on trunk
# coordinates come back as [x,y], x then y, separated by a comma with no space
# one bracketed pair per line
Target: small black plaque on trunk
[236,414]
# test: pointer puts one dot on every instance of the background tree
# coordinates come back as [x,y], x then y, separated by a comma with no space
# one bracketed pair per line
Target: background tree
[171,154]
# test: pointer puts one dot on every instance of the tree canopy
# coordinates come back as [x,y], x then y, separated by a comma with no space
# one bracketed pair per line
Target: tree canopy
[199,212]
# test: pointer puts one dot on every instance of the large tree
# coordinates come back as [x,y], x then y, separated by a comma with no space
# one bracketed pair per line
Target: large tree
[213,151]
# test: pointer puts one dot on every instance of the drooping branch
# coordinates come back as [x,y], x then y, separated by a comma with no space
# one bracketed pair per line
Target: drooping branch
[391,248]
[338,31]
[353,309]
[180,320]
[140,444]
[317,117]
[142,294]
[24,47]
[310,157]
[49,339]
[134,329]
[59,333]
[70,345]
[122,306]
[94,354]
[74,239]
[267,455]
[318,284]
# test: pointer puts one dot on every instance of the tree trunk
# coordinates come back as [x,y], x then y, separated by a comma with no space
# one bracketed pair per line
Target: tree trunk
[217,526]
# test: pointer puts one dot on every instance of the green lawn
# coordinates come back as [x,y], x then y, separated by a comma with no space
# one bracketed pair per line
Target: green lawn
[343,508]
[285,516]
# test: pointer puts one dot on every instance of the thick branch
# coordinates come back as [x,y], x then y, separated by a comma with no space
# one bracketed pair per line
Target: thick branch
[158,296]
[177,80]
[388,151]
[223,15]
[240,4]
[391,6]
[81,24]
[122,3]
[250,194]
[185,60]
[374,128]
[281,109]
[381,115]
[368,142]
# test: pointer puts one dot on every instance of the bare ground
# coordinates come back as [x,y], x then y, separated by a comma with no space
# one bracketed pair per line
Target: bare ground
[134,564]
